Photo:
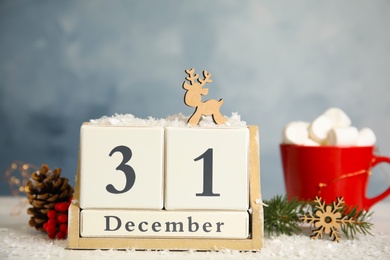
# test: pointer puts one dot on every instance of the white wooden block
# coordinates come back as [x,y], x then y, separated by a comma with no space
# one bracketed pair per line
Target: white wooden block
[121,167]
[206,168]
[148,223]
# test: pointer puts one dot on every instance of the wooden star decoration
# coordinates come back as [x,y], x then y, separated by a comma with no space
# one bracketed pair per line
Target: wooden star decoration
[328,218]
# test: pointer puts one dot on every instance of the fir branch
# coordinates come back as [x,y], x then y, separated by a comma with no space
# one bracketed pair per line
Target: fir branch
[359,222]
[282,216]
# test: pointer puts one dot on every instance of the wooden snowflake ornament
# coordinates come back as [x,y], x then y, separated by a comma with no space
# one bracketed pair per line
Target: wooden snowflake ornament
[327,219]
[193,98]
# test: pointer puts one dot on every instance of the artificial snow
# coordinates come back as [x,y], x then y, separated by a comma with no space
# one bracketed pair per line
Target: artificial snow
[27,242]
[19,241]
[177,120]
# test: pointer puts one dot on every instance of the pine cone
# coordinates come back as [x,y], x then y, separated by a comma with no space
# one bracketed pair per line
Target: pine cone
[44,189]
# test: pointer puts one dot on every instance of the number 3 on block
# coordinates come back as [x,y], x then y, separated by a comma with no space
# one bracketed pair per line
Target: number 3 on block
[126,169]
[121,167]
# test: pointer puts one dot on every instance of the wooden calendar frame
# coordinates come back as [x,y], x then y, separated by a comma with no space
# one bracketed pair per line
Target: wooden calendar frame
[253,243]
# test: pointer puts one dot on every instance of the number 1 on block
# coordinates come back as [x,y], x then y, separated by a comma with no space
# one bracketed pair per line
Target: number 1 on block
[207,173]
[206,168]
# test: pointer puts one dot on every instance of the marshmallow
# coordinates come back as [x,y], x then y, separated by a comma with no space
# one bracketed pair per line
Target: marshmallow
[343,136]
[319,128]
[296,133]
[332,128]
[338,117]
[366,137]
[310,142]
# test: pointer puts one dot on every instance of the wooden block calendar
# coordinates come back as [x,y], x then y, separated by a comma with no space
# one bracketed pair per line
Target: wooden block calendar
[167,186]
[216,222]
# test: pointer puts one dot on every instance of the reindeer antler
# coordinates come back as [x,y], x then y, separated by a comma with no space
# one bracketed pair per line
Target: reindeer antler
[191,76]
[207,78]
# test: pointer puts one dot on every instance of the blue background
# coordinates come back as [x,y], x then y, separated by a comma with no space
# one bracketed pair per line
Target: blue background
[65,62]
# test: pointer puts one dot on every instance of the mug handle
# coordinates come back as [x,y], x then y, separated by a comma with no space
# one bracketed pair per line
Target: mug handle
[369,202]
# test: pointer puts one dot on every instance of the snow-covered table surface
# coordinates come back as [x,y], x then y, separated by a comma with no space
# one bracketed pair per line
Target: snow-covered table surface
[19,241]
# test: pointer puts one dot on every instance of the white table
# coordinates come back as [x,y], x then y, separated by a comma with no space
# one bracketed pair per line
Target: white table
[19,241]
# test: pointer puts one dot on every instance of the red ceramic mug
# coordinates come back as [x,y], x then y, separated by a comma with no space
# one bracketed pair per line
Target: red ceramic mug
[330,172]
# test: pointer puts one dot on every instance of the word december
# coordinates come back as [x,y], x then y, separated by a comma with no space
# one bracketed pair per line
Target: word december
[114,223]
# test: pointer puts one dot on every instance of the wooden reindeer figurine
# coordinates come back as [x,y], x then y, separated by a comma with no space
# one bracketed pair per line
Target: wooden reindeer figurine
[193,98]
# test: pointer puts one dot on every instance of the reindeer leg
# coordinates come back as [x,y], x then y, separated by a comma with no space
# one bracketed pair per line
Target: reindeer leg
[195,118]
[218,118]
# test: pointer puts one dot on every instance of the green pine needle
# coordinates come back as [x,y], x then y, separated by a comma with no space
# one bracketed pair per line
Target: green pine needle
[282,216]
[359,225]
